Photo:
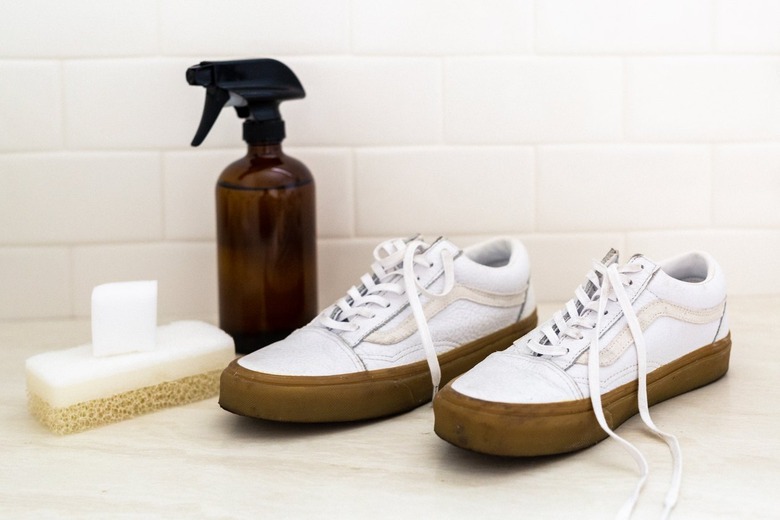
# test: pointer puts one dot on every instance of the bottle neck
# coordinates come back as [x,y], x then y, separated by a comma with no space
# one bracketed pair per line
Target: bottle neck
[264,149]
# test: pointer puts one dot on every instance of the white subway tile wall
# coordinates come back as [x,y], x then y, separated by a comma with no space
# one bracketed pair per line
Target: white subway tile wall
[623,26]
[352,101]
[35,281]
[532,100]
[748,26]
[244,28]
[477,189]
[30,105]
[746,186]
[184,270]
[79,28]
[70,198]
[639,187]
[442,27]
[574,125]
[703,98]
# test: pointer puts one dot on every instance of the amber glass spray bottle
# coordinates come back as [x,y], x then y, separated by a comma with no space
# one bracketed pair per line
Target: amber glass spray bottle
[266,228]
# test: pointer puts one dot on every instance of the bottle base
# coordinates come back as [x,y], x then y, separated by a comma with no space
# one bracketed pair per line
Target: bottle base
[248,343]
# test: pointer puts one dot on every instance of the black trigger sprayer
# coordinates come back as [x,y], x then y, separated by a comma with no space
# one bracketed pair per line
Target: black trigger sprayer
[266,228]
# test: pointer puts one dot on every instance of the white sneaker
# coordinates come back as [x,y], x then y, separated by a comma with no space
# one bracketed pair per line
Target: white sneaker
[424,314]
[633,335]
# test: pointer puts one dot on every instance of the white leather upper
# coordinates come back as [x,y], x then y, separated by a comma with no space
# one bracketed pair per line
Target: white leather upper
[677,317]
[313,351]
[502,291]
[517,378]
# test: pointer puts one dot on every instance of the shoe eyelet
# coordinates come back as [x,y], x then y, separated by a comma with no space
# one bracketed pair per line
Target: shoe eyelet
[641,266]
[606,312]
[631,282]
[387,305]
[567,350]
[430,265]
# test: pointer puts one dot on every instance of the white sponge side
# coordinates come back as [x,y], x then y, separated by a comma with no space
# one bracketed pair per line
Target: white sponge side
[124,317]
[185,348]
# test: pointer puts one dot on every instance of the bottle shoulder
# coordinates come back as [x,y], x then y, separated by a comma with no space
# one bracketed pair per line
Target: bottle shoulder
[266,171]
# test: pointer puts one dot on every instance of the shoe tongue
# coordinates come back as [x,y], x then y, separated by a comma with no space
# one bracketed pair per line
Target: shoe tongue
[439,244]
[611,257]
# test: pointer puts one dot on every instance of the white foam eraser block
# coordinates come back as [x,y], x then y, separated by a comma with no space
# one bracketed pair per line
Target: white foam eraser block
[124,317]
[71,390]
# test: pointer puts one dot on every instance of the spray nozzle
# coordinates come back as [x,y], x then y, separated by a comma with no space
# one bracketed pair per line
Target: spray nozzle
[254,87]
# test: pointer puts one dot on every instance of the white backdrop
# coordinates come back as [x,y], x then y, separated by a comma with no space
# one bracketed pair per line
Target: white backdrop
[575,125]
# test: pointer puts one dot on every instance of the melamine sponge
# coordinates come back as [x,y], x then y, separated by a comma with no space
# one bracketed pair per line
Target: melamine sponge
[72,390]
[124,317]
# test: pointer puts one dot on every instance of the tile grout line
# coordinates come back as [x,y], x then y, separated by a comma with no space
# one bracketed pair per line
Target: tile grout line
[353,195]
[163,237]
[72,280]
[535,187]
[624,99]
[63,106]
[711,191]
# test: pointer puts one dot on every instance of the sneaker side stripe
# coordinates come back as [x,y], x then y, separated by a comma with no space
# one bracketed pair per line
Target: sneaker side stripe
[460,292]
[647,315]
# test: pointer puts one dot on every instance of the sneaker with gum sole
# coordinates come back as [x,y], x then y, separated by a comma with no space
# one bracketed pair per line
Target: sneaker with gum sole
[633,335]
[423,315]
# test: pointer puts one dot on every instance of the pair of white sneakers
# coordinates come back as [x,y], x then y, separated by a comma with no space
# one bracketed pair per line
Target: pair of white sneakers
[633,335]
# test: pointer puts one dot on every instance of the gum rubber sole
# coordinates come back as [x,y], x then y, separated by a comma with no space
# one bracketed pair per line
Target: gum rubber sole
[520,430]
[356,396]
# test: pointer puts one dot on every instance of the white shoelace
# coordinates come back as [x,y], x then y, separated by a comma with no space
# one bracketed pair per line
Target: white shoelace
[578,317]
[393,272]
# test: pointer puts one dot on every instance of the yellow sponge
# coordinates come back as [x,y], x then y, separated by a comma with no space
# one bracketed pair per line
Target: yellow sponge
[72,390]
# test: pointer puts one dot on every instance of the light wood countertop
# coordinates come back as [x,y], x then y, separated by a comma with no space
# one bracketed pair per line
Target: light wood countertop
[198,461]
